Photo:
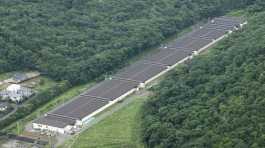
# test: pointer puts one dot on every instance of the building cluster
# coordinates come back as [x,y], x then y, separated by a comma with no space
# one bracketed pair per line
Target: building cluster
[15,92]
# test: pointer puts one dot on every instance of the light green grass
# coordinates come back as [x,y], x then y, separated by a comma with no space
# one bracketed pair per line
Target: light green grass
[4,76]
[119,130]
[46,83]
[49,106]
[237,13]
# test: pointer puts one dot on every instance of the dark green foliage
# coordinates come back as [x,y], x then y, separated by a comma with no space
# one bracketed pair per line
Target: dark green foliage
[215,101]
[78,40]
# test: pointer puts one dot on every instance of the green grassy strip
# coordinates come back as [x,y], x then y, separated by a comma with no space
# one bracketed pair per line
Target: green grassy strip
[121,129]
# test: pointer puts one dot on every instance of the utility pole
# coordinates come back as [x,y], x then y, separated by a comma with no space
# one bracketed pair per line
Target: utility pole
[50,142]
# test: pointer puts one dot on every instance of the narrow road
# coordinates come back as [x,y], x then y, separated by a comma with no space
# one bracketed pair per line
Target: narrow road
[9,114]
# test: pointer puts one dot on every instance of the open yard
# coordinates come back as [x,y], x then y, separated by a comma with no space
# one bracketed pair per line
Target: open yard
[119,130]
[37,84]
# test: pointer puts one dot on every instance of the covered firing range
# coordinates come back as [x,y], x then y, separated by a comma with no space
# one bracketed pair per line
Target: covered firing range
[129,79]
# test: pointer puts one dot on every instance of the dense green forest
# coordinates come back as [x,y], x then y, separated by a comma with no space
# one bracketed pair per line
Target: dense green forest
[216,100]
[78,40]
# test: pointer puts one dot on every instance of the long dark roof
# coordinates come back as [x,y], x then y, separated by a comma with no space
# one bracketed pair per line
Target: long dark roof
[139,72]
[55,121]
[80,107]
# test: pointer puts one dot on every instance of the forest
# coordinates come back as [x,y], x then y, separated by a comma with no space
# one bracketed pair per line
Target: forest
[79,40]
[216,100]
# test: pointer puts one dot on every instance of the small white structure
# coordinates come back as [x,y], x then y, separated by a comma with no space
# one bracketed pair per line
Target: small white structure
[3,107]
[194,53]
[16,93]
[13,88]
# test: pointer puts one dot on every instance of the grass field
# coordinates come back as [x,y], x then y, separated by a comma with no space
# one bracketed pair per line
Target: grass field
[119,130]
[4,76]
[42,83]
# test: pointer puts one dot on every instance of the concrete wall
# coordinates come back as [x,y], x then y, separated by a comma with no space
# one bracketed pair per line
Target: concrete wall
[48,128]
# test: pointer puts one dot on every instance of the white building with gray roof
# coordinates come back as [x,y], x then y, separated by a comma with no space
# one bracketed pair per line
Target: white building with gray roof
[16,93]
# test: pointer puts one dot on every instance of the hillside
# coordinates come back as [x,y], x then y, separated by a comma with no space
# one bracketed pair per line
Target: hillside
[79,40]
[217,100]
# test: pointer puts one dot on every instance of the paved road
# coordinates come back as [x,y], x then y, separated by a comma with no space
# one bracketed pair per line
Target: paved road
[9,114]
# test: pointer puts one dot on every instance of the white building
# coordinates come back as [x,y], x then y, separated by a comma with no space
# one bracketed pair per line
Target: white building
[16,93]
[54,124]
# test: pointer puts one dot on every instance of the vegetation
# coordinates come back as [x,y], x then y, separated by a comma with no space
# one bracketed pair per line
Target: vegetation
[75,41]
[78,40]
[40,85]
[216,100]
[8,110]
[64,97]
[36,101]
[4,76]
[121,129]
